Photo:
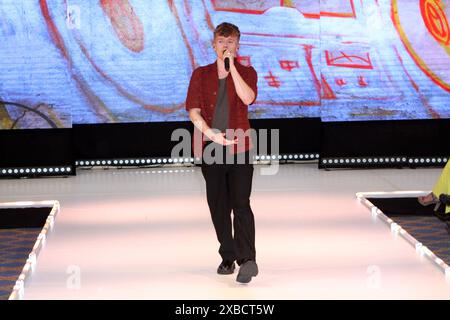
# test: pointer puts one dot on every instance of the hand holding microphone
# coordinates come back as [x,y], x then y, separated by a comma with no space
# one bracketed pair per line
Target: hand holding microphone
[226,60]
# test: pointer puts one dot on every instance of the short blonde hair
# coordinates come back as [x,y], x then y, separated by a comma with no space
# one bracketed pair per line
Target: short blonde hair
[226,29]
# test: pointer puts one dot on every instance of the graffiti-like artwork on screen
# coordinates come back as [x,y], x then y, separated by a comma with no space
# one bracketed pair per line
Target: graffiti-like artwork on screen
[106,61]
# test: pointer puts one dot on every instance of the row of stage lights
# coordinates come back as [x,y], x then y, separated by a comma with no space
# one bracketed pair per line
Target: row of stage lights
[323,164]
[67,170]
[163,161]
[37,171]
[380,161]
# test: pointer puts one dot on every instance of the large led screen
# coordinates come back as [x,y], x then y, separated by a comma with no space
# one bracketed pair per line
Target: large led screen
[65,62]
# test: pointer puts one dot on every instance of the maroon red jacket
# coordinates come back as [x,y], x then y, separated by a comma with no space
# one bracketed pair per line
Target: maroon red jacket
[202,93]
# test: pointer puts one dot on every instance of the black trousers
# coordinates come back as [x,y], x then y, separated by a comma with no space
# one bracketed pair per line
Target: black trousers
[228,189]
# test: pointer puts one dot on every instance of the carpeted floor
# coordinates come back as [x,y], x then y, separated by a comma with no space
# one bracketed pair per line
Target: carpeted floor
[19,229]
[15,246]
[422,223]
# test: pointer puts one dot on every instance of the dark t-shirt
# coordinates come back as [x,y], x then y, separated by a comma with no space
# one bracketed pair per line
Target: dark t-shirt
[220,120]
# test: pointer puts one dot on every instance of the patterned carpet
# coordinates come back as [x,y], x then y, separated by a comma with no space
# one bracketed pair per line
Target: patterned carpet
[15,246]
[420,222]
[19,229]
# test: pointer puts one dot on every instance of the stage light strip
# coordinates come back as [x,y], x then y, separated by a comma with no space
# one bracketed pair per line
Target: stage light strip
[289,157]
[381,161]
[357,161]
[18,292]
[140,162]
[397,229]
[35,171]
[427,160]
[134,162]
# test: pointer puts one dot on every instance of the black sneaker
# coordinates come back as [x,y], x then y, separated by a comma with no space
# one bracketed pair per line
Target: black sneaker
[247,270]
[226,267]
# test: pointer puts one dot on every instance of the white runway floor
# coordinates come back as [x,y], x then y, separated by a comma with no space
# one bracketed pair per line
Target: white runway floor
[146,234]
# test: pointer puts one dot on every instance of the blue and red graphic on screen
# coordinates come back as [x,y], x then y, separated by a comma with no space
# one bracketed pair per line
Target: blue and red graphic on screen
[106,61]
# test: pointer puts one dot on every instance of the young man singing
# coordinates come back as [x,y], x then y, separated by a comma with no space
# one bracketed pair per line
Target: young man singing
[217,101]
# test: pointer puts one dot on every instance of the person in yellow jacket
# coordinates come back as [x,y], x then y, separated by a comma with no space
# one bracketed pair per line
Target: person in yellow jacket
[441,191]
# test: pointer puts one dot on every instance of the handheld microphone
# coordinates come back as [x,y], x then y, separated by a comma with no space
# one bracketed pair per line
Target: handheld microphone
[227,62]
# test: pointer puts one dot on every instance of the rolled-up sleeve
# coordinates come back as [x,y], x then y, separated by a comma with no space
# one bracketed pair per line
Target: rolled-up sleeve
[193,99]
[251,79]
